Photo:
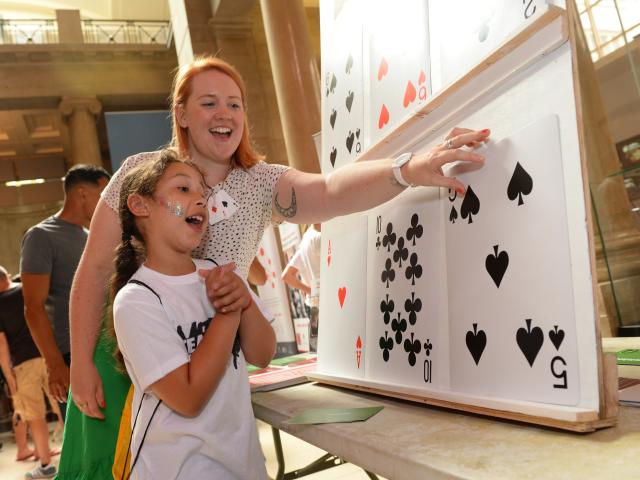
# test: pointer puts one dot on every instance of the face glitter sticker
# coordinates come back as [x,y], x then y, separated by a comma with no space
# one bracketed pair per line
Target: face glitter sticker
[176,208]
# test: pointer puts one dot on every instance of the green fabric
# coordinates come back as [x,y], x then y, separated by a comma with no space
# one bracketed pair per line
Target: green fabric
[89,444]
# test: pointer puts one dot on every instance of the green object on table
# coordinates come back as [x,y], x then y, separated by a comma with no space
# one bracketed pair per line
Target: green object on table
[629,356]
[333,415]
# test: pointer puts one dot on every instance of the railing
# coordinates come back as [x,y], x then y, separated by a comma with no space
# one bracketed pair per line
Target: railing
[19,32]
[28,31]
[126,31]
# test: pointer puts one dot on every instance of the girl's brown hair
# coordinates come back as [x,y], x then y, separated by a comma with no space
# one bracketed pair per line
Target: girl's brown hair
[245,156]
[130,253]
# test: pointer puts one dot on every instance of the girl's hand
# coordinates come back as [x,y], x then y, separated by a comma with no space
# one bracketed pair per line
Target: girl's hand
[227,292]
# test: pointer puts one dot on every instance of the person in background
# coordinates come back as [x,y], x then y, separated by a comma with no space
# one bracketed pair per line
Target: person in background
[303,272]
[26,374]
[49,257]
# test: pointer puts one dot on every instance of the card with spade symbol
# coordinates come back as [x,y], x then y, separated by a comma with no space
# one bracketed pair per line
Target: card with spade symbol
[509,272]
[342,76]
[343,296]
[406,294]
[397,67]
[481,27]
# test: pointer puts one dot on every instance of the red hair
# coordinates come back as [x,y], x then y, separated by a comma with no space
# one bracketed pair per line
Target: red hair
[245,156]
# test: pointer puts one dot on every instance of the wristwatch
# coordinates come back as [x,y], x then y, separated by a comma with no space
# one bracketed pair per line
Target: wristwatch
[397,165]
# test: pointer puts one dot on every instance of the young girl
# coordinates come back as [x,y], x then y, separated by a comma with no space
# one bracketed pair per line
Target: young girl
[191,411]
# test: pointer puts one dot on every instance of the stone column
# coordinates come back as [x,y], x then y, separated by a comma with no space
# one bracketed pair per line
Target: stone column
[81,115]
[297,79]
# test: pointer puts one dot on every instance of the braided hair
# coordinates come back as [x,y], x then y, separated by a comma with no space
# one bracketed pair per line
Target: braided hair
[130,253]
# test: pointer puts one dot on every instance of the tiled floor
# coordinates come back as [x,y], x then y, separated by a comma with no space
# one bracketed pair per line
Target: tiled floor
[296,453]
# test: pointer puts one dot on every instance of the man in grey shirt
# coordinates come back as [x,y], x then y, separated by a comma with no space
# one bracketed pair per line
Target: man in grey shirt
[50,254]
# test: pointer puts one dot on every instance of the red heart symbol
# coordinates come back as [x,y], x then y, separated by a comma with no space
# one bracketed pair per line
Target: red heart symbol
[383,69]
[383,119]
[409,94]
[214,209]
[342,293]
[422,77]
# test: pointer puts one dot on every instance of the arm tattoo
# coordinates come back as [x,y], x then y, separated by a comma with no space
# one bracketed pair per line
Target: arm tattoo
[291,210]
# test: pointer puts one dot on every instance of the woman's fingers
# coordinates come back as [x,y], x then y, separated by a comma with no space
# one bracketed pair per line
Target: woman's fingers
[465,137]
[448,156]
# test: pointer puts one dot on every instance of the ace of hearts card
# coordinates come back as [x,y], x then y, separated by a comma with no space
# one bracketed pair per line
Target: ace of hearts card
[509,272]
[343,296]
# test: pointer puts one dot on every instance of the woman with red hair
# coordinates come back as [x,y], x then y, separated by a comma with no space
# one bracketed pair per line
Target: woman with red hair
[245,194]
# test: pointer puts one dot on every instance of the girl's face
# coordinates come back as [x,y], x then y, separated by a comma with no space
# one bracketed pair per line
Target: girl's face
[214,117]
[177,210]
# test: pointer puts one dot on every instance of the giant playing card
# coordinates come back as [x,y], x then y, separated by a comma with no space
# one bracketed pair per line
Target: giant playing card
[343,296]
[406,307]
[509,272]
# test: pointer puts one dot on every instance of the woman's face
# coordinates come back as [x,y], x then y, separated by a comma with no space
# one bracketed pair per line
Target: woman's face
[214,117]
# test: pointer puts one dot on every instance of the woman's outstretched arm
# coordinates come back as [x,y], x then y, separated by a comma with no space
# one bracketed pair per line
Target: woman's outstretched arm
[301,197]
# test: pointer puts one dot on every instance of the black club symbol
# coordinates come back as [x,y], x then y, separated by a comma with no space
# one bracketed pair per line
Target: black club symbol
[399,326]
[428,347]
[415,230]
[386,344]
[412,347]
[401,253]
[412,306]
[414,270]
[390,238]
[387,307]
[378,244]
[388,274]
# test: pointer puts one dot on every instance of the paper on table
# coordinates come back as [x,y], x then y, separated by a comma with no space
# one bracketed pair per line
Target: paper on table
[333,415]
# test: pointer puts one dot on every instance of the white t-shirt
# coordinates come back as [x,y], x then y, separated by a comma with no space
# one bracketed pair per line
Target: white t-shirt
[307,261]
[156,338]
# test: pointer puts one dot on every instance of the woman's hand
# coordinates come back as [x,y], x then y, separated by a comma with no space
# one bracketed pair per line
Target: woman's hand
[227,292]
[426,168]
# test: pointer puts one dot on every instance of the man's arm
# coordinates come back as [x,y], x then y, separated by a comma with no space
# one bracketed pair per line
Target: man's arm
[5,364]
[35,290]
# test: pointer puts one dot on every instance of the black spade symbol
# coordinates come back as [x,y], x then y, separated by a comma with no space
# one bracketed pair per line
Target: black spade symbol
[334,82]
[358,133]
[520,184]
[476,341]
[332,156]
[225,204]
[496,264]
[349,65]
[556,336]
[470,205]
[332,118]
[453,216]
[350,139]
[530,341]
[349,100]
